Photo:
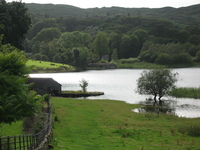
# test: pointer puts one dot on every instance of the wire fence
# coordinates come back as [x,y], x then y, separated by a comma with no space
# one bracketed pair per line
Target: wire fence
[38,141]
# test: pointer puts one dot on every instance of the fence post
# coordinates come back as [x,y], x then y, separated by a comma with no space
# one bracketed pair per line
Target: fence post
[8,142]
[20,142]
[15,143]
[0,144]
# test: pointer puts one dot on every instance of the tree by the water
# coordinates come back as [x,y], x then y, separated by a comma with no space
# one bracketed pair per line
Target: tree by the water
[156,82]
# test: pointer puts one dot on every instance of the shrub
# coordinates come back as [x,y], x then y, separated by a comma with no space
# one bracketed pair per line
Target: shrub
[163,59]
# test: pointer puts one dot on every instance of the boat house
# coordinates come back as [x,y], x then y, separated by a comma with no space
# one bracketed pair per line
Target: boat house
[45,86]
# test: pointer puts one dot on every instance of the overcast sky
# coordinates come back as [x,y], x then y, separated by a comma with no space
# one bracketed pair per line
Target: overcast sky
[120,3]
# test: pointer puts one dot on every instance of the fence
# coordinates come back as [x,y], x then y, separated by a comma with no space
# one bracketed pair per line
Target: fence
[37,141]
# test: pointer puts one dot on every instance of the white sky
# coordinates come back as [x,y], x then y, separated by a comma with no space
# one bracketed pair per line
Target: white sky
[120,3]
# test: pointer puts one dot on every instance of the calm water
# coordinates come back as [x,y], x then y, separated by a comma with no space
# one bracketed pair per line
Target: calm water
[120,84]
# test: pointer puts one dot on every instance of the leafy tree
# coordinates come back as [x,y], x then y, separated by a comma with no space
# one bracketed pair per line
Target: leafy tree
[194,39]
[126,48]
[82,57]
[74,39]
[101,44]
[142,36]
[114,56]
[14,22]
[57,58]
[156,82]
[39,25]
[83,84]
[16,101]
[47,34]
[39,56]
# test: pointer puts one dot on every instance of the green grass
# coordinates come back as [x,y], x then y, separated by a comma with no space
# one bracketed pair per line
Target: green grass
[105,125]
[185,92]
[11,129]
[42,66]
[139,65]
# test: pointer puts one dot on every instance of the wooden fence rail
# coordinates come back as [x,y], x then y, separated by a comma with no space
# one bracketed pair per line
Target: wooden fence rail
[29,142]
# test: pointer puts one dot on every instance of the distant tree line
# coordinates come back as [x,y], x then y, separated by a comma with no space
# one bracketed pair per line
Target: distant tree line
[79,41]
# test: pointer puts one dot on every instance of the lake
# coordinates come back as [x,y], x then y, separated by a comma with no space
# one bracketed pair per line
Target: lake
[120,84]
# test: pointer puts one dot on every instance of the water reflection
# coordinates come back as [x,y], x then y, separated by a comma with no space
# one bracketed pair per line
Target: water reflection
[162,107]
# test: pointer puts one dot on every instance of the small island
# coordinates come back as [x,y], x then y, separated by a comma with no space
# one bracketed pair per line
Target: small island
[76,94]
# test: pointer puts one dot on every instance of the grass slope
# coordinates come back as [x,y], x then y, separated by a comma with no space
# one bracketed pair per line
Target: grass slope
[44,66]
[106,125]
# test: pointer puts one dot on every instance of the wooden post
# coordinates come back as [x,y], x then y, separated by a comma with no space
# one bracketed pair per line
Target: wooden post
[20,143]
[15,144]
[24,145]
[8,142]
[0,144]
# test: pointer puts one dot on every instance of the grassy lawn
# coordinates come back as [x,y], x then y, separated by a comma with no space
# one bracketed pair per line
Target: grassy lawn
[139,65]
[82,124]
[43,66]
[11,129]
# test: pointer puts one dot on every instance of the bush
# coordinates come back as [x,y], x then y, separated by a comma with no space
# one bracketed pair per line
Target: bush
[164,59]
[182,58]
[148,56]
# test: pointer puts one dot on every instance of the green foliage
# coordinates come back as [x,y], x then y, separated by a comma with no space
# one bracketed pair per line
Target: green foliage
[14,22]
[16,101]
[182,58]
[83,84]
[47,34]
[156,82]
[74,39]
[135,35]
[101,44]
[164,59]
[82,57]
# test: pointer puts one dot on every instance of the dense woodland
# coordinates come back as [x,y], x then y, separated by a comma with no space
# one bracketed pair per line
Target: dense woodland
[75,36]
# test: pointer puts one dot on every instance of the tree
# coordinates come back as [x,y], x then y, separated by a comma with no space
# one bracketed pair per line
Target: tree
[83,84]
[156,82]
[16,101]
[47,34]
[74,39]
[101,44]
[14,22]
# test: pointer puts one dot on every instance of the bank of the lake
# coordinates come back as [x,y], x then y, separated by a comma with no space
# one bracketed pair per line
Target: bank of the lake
[107,124]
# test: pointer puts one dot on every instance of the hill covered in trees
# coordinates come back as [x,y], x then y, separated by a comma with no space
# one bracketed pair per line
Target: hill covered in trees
[68,34]
[183,15]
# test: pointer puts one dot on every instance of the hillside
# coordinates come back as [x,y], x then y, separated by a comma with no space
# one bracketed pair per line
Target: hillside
[184,15]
